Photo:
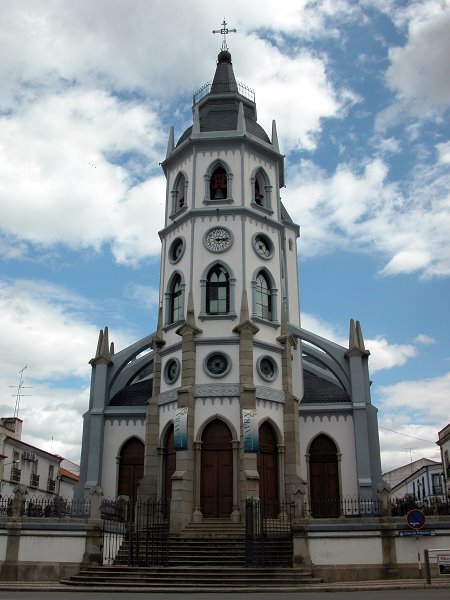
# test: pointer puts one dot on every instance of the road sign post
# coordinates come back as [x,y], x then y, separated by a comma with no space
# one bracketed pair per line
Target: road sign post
[416,520]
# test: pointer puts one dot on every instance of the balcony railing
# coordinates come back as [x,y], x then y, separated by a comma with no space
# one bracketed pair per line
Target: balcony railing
[51,484]
[34,480]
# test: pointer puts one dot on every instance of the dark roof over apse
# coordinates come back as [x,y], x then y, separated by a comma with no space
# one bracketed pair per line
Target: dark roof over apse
[319,391]
[136,394]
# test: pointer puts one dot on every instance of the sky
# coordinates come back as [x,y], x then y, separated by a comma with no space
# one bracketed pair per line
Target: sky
[360,92]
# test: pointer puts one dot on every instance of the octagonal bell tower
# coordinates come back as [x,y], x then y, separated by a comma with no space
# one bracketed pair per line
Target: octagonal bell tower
[227,374]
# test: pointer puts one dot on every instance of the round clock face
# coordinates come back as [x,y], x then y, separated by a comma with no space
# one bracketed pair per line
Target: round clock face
[262,246]
[218,239]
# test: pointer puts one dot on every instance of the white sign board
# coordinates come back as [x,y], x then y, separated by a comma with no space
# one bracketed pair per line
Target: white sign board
[443,562]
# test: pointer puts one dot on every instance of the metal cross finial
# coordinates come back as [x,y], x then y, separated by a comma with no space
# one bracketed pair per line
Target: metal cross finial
[224,31]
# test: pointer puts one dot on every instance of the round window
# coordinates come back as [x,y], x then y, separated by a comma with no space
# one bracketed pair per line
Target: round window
[171,370]
[263,246]
[217,364]
[176,250]
[267,368]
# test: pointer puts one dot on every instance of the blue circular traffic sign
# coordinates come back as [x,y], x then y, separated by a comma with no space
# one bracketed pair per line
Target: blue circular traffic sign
[415,518]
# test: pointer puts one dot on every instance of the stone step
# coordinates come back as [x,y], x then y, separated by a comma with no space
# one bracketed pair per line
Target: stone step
[193,577]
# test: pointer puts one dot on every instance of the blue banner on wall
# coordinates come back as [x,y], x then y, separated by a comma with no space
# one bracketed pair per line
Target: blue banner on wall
[180,437]
[250,427]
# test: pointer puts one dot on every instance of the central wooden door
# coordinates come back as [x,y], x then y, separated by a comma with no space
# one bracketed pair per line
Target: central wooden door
[268,468]
[217,471]
[324,477]
[131,468]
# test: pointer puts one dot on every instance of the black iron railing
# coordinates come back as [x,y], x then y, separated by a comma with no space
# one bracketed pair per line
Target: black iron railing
[268,535]
[136,533]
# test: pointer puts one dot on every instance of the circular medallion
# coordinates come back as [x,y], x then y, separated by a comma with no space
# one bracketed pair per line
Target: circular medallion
[218,239]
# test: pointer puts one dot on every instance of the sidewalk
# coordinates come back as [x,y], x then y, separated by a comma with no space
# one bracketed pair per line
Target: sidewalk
[397,584]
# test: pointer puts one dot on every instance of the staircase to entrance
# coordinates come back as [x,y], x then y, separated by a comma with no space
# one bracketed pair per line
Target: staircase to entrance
[210,555]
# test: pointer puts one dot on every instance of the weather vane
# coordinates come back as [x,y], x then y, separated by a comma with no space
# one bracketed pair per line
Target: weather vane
[224,31]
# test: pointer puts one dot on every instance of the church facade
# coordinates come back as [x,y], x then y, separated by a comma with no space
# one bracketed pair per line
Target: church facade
[230,398]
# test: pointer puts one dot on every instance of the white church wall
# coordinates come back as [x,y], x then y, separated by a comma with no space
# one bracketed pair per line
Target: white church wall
[116,432]
[166,414]
[226,407]
[265,409]
[340,428]
[232,351]
[291,277]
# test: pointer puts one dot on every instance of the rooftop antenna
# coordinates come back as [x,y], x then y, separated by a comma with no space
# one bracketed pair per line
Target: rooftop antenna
[224,31]
[19,393]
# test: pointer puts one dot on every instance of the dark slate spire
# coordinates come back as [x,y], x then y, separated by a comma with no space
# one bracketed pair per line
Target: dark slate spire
[224,79]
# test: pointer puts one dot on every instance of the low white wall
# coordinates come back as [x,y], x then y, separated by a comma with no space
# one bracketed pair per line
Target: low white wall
[345,548]
[52,546]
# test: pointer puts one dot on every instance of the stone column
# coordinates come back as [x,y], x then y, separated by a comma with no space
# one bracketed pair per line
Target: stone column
[149,486]
[291,476]
[182,504]
[246,329]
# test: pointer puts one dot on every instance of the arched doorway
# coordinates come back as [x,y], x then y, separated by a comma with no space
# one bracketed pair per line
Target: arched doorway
[217,471]
[131,467]
[169,463]
[324,477]
[268,469]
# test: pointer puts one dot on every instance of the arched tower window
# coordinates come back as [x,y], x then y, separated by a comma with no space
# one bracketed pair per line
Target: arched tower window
[218,181]
[218,184]
[261,190]
[263,297]
[217,291]
[179,193]
[174,300]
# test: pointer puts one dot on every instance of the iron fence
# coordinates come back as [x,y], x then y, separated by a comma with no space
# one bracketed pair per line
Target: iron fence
[268,535]
[438,505]
[47,507]
[331,508]
[136,533]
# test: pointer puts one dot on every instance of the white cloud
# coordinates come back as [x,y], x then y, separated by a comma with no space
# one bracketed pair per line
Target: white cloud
[359,208]
[43,325]
[424,339]
[58,188]
[383,354]
[420,71]
[416,408]
[443,152]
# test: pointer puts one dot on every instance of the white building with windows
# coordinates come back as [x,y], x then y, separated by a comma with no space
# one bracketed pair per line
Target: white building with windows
[444,444]
[230,398]
[24,464]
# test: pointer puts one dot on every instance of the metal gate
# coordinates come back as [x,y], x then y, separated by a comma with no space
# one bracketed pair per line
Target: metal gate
[268,539]
[136,534]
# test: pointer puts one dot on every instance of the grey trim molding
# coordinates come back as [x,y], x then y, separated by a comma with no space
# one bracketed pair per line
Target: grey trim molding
[217,389]
[267,346]
[172,348]
[266,393]
[219,341]
[167,397]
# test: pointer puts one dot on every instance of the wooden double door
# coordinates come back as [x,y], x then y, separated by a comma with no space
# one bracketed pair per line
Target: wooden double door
[324,478]
[216,471]
[131,467]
